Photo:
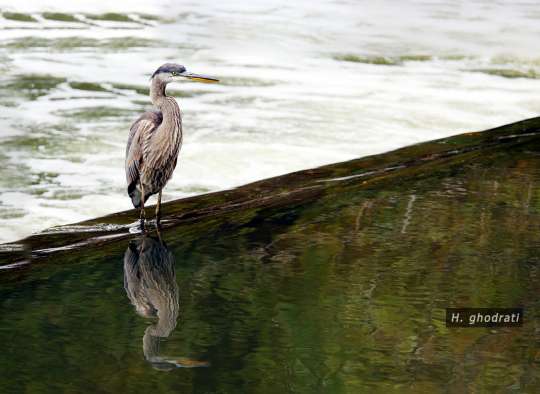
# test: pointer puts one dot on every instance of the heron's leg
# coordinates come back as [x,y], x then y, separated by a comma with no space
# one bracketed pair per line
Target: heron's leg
[159,233]
[158,209]
[143,213]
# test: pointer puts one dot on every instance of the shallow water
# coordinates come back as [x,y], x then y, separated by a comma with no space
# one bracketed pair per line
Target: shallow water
[302,85]
[342,294]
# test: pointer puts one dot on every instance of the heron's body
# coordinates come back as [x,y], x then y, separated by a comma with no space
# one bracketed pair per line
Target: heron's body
[155,140]
[152,151]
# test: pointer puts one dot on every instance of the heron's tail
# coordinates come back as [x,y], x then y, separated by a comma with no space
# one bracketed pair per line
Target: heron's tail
[135,195]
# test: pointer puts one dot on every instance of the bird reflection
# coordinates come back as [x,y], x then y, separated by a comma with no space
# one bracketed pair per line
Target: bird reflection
[150,283]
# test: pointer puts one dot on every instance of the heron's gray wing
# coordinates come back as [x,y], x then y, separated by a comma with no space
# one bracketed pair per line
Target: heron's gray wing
[140,130]
[131,271]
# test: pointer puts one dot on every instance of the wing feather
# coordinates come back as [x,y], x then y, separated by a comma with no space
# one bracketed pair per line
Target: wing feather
[140,131]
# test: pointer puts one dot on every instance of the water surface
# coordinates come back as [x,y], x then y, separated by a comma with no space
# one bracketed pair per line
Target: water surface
[344,293]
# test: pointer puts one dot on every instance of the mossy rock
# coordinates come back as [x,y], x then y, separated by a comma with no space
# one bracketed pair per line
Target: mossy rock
[30,86]
[415,58]
[19,17]
[509,73]
[60,16]
[96,112]
[89,86]
[377,60]
[375,173]
[74,42]
[110,16]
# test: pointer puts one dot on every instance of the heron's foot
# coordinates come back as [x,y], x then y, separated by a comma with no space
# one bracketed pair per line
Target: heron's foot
[137,227]
[142,219]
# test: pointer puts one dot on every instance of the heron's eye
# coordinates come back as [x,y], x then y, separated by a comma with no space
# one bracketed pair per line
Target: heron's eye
[174,73]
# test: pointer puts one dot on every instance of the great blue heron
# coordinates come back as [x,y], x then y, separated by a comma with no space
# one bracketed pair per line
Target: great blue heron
[155,139]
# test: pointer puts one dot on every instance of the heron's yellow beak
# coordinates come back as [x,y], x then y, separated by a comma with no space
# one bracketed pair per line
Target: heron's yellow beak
[199,77]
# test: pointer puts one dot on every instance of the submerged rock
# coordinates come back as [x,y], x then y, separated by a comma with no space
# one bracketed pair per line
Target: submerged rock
[433,160]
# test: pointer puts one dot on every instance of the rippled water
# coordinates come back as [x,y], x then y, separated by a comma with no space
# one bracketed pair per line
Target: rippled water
[303,84]
[345,293]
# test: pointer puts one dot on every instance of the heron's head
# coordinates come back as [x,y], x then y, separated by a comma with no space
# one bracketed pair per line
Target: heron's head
[172,72]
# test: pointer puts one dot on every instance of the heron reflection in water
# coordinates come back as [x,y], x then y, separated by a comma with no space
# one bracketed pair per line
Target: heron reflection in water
[150,283]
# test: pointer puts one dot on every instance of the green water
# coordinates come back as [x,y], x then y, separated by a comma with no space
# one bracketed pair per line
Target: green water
[343,294]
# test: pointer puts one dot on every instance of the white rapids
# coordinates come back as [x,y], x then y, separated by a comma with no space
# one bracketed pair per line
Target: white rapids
[303,84]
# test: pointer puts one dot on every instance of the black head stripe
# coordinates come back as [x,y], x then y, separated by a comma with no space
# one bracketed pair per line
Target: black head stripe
[169,68]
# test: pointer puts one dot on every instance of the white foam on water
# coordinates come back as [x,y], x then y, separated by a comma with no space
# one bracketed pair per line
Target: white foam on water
[286,101]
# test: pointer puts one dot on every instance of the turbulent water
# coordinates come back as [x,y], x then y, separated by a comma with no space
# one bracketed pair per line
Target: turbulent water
[303,84]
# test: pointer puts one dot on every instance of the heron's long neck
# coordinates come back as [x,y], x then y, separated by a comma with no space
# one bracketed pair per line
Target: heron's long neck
[167,105]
